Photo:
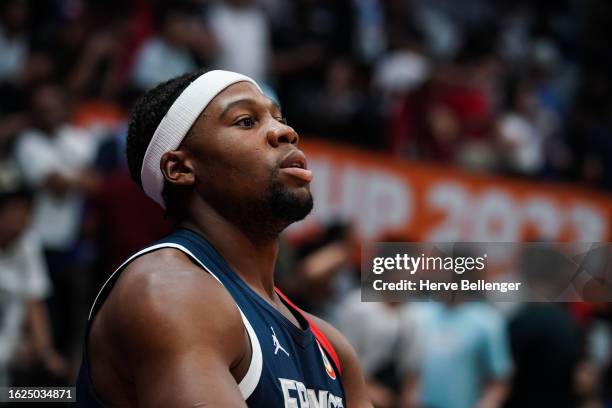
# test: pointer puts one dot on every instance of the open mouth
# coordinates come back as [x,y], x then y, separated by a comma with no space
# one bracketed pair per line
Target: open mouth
[295,164]
[295,159]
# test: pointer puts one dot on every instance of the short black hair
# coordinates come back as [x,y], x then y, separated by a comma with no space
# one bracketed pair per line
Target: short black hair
[146,114]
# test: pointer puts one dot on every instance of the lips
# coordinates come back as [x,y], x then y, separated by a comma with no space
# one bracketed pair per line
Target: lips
[294,164]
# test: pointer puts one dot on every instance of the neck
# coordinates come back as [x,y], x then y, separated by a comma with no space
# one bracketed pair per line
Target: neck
[252,256]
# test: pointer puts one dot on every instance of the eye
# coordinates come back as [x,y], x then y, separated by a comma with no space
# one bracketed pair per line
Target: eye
[282,120]
[246,123]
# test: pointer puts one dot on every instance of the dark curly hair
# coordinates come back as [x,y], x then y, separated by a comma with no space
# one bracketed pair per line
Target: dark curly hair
[146,114]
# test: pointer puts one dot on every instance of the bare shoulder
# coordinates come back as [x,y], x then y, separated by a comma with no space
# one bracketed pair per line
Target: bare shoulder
[166,334]
[352,375]
[162,303]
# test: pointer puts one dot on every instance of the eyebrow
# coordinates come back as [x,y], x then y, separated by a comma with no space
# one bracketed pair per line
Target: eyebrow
[249,101]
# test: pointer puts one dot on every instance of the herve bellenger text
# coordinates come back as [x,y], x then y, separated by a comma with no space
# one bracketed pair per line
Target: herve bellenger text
[463,285]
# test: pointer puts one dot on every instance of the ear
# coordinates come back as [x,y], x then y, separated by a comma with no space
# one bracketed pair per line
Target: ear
[177,168]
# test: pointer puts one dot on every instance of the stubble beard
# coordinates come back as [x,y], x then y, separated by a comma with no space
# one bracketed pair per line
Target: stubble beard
[279,207]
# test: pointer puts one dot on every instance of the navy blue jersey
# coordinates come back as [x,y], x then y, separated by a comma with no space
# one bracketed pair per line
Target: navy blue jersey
[290,366]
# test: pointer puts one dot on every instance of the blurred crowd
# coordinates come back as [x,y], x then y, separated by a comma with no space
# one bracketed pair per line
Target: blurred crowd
[451,353]
[506,87]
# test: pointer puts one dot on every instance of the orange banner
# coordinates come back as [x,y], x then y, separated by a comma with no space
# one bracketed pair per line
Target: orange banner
[430,202]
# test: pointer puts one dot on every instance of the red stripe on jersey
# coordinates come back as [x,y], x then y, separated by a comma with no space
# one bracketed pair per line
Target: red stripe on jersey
[319,335]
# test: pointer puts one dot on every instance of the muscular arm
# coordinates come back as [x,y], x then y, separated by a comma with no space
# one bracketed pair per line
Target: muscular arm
[174,334]
[352,376]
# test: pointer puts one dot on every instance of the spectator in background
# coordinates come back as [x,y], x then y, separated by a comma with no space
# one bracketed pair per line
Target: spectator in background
[445,22]
[96,73]
[375,329]
[369,39]
[99,80]
[13,38]
[104,61]
[338,108]
[39,65]
[460,358]
[321,271]
[590,130]
[380,334]
[313,33]
[547,343]
[403,69]
[24,285]
[547,347]
[55,158]
[525,129]
[179,36]
[241,30]
[451,117]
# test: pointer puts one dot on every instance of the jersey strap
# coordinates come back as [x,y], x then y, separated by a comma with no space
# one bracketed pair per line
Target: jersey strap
[319,335]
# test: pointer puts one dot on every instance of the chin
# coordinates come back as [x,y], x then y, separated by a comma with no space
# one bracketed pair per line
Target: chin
[291,204]
[301,192]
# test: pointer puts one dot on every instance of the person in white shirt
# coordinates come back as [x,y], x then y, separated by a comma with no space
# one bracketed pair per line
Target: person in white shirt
[241,30]
[23,287]
[54,158]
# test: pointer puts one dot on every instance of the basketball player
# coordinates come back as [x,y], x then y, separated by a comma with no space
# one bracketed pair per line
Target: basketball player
[194,320]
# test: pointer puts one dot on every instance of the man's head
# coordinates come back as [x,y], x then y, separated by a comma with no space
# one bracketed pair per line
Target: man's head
[239,158]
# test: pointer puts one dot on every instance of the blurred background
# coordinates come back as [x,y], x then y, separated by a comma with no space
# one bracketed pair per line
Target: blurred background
[423,120]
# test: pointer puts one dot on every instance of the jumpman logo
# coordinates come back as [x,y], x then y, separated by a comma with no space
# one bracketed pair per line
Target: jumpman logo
[277,345]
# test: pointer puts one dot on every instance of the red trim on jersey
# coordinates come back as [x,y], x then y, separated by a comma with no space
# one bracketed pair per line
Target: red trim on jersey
[318,333]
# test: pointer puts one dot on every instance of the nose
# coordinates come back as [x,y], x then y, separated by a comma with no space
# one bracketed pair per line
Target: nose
[281,133]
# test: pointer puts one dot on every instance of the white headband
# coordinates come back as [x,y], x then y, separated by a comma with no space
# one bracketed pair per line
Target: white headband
[177,122]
